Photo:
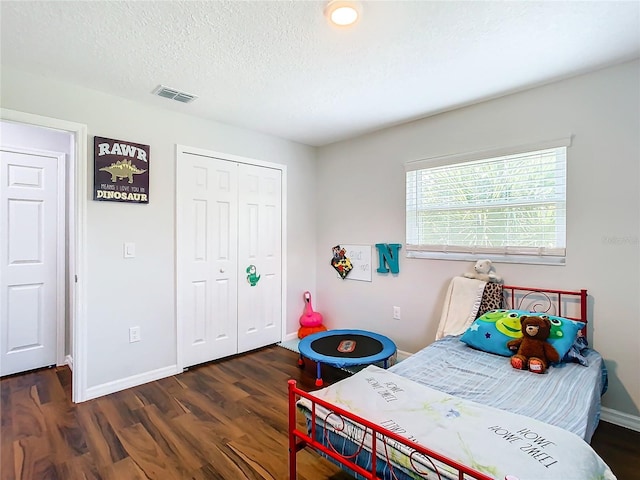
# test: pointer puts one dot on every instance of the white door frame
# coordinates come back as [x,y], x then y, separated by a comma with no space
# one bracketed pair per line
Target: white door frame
[78,195]
[182,149]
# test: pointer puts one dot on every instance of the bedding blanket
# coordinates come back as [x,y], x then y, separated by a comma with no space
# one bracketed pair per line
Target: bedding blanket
[568,396]
[461,305]
[492,441]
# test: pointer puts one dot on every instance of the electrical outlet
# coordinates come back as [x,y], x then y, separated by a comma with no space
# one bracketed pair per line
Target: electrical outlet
[396,313]
[134,334]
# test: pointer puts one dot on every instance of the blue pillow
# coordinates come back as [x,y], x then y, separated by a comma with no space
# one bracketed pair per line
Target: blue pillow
[491,332]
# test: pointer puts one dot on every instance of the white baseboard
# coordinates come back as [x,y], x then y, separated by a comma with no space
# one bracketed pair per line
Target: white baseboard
[290,336]
[68,360]
[402,355]
[132,381]
[621,419]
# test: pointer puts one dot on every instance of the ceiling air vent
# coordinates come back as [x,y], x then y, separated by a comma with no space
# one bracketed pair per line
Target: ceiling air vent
[168,92]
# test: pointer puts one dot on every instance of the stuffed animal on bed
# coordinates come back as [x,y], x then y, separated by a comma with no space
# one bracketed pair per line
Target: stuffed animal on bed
[533,352]
[484,270]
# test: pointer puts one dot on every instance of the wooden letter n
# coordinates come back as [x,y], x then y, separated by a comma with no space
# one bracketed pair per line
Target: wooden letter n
[388,256]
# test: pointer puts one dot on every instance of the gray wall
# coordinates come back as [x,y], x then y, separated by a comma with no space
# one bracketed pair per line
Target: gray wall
[361,201]
[141,291]
[353,193]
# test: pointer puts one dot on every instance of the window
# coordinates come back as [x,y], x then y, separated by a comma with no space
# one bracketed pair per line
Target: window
[508,206]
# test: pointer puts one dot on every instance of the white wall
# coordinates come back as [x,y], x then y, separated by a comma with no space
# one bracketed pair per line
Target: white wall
[358,198]
[125,292]
[361,201]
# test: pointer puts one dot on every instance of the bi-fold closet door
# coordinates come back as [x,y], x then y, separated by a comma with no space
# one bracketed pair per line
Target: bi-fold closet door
[229,238]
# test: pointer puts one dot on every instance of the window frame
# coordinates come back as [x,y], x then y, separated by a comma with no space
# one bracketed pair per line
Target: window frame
[521,255]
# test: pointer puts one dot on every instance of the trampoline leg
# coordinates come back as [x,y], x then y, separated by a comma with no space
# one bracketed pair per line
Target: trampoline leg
[318,374]
[386,363]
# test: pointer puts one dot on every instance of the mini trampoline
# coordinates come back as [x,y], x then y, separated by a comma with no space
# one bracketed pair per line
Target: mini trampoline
[345,348]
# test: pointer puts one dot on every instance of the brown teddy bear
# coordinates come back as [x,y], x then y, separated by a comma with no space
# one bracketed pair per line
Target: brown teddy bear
[533,350]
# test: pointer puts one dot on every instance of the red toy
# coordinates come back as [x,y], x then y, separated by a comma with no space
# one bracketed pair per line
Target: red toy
[310,321]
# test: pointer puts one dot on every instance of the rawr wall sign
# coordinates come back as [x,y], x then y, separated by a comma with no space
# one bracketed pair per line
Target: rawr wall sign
[121,171]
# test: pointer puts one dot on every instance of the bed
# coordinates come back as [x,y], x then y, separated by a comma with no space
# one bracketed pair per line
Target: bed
[453,410]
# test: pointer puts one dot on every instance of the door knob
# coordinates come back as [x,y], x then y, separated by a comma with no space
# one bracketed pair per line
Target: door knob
[222,270]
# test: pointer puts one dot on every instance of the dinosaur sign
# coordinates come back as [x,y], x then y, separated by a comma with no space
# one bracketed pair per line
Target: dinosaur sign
[121,171]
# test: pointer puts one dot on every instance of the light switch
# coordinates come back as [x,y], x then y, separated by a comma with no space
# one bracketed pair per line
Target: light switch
[129,250]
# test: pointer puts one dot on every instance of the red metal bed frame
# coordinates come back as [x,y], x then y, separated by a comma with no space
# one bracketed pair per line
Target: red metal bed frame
[299,440]
[523,298]
[533,299]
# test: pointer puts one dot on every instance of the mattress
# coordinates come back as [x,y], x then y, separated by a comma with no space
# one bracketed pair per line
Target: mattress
[497,443]
[567,396]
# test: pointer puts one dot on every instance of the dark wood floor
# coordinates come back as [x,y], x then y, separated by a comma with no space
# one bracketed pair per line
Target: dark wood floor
[620,448]
[224,420]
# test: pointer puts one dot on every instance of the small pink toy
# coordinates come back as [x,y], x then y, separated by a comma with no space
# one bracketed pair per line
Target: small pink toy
[310,321]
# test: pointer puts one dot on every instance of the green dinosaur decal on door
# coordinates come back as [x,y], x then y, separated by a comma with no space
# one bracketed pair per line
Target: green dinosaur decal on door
[252,278]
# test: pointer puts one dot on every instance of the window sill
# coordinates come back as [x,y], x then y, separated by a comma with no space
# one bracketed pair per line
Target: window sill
[522,259]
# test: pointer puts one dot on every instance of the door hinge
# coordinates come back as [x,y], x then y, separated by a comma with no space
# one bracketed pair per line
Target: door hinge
[76,276]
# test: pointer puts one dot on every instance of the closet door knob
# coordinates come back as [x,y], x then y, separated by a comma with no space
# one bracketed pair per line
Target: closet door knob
[222,270]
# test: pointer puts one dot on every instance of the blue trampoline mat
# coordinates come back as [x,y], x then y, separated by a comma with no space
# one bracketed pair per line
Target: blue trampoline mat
[345,348]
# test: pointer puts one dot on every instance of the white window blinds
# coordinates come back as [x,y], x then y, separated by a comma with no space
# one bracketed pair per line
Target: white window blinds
[510,207]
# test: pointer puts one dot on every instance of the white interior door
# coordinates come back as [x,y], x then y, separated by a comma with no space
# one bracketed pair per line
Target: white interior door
[260,257]
[31,267]
[207,227]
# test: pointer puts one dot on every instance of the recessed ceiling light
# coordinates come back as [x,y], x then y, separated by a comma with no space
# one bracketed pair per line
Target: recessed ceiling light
[342,12]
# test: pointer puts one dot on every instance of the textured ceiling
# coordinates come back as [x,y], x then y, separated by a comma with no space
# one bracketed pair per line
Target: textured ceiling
[278,67]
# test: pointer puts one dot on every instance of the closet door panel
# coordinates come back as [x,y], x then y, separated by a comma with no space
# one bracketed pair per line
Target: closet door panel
[260,256]
[208,274]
